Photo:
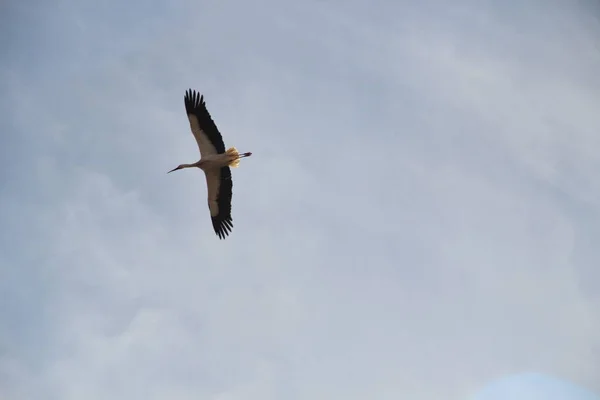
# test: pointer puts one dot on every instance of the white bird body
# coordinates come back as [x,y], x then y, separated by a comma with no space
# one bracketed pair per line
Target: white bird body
[215,161]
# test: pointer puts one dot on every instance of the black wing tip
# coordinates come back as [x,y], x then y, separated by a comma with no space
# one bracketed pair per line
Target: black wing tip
[194,96]
[222,226]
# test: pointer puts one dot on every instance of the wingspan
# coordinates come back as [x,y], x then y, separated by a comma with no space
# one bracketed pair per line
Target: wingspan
[220,190]
[205,131]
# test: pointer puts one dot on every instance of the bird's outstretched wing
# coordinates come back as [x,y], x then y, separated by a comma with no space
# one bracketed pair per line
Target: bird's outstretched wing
[220,190]
[203,127]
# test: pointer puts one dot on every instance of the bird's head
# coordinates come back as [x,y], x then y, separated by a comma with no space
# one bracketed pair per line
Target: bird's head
[175,169]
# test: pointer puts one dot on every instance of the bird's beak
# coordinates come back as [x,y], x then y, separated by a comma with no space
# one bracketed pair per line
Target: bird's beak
[174,169]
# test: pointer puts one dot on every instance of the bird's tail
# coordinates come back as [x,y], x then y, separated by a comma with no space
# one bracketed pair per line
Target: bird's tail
[235,157]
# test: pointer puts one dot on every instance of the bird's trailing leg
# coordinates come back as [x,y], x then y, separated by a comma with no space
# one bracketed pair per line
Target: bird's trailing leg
[234,157]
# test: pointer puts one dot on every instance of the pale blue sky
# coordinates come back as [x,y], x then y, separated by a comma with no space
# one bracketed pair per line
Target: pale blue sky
[418,220]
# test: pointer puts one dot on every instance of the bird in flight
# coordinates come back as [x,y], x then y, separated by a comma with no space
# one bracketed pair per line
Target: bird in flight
[214,161]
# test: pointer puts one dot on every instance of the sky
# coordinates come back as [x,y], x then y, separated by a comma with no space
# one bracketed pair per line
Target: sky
[533,386]
[418,218]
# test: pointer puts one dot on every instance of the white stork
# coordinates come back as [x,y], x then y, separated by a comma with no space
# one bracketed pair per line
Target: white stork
[214,161]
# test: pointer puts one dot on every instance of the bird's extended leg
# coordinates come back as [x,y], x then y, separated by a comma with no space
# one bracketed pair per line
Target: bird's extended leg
[234,157]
